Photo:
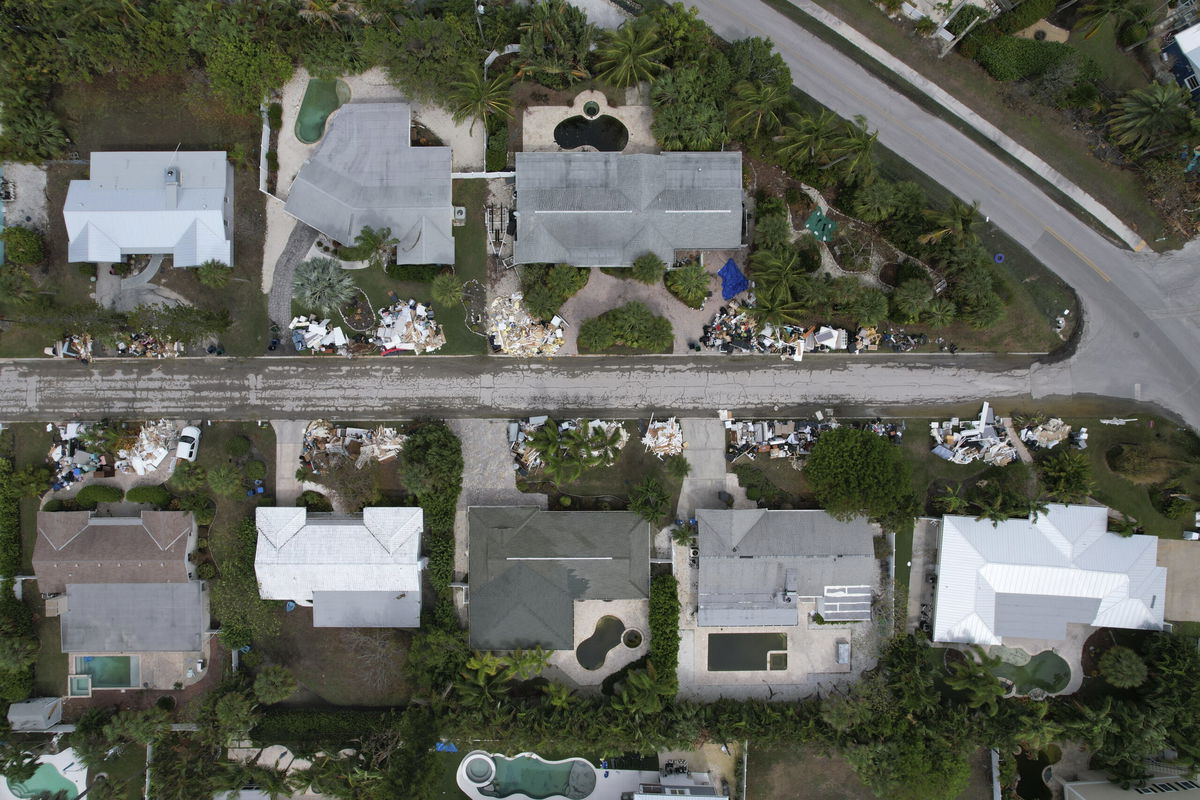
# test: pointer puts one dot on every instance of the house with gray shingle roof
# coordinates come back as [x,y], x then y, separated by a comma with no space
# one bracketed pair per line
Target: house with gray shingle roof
[756,565]
[528,568]
[606,209]
[365,173]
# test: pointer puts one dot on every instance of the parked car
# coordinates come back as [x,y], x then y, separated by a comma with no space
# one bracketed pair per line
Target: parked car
[189,443]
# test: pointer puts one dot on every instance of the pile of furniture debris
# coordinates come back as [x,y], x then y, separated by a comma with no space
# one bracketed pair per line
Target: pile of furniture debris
[964,441]
[69,458]
[1051,433]
[319,335]
[408,328]
[141,345]
[793,438]
[325,443]
[664,438]
[155,441]
[77,347]
[511,329]
[734,330]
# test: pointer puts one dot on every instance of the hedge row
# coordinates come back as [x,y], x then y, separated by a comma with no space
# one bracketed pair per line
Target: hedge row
[16,622]
[664,629]
[1009,58]
[94,493]
[153,495]
[10,523]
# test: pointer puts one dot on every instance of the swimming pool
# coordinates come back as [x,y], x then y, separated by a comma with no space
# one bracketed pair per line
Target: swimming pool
[494,775]
[110,672]
[321,98]
[1047,671]
[747,652]
[605,133]
[593,650]
[56,772]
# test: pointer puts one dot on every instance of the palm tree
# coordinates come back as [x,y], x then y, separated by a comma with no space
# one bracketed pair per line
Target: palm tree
[772,310]
[641,696]
[689,283]
[629,54]
[1095,14]
[526,664]
[274,684]
[875,202]
[757,107]
[556,41]
[1067,475]
[782,275]
[954,225]
[375,244]
[558,695]
[1122,667]
[321,284]
[602,444]
[1156,115]
[976,680]
[808,138]
[912,298]
[214,274]
[992,509]
[1036,506]
[951,500]
[940,312]
[16,285]
[477,97]
[447,289]
[854,151]
[323,12]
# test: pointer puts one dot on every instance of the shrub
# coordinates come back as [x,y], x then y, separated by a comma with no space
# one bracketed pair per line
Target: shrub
[206,571]
[214,274]
[1123,668]
[632,325]
[1024,15]
[664,629]
[238,447]
[966,15]
[647,268]
[154,495]
[1010,58]
[256,470]
[689,284]
[547,286]
[55,505]
[853,471]
[275,116]
[649,500]
[274,684]
[189,476]
[497,149]
[23,246]
[201,505]
[314,501]
[10,523]
[272,161]
[95,493]
[87,270]
[243,614]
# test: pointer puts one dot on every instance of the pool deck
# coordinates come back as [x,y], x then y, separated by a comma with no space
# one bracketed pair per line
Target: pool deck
[538,122]
[634,613]
[611,784]
[1069,649]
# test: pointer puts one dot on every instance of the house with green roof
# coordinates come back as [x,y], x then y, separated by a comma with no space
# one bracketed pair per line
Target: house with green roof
[529,569]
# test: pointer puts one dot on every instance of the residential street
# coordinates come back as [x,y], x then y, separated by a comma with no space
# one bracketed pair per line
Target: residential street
[390,388]
[1140,339]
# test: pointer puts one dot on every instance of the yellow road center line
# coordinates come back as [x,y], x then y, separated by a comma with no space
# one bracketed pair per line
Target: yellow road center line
[1078,254]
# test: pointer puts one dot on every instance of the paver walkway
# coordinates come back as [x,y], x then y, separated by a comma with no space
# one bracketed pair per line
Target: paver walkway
[987,129]
[279,300]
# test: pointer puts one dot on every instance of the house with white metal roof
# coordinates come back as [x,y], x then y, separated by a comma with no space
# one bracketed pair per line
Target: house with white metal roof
[354,570]
[757,565]
[139,203]
[606,209]
[1031,578]
[366,173]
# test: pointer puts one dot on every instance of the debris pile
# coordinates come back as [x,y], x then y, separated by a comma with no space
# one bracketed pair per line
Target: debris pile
[511,330]
[1047,435]
[324,442]
[408,327]
[308,332]
[794,439]
[664,438]
[141,345]
[964,441]
[901,342]
[78,347]
[734,330]
[154,443]
[71,462]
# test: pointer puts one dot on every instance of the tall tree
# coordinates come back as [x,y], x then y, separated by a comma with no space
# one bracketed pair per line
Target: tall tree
[556,42]
[757,109]
[322,285]
[1096,13]
[630,54]
[808,139]
[1153,117]
[478,97]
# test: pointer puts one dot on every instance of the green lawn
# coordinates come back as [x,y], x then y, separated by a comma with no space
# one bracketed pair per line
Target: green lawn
[1041,129]
[1121,70]
[470,240]
[50,671]
[127,769]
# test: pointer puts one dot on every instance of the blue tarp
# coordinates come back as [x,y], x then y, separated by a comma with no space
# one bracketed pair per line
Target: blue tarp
[445,747]
[733,281]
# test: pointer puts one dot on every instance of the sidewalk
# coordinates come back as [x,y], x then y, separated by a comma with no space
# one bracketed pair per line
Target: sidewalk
[987,129]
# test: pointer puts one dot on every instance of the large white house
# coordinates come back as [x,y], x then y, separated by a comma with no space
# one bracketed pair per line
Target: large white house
[1026,579]
[139,203]
[355,570]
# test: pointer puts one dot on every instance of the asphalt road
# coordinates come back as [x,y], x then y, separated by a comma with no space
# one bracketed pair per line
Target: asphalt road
[1141,340]
[304,388]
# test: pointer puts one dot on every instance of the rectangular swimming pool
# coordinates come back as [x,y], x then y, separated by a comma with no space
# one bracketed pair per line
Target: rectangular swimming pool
[110,672]
[746,652]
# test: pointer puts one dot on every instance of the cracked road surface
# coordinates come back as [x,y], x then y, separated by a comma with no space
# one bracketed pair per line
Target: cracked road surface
[305,388]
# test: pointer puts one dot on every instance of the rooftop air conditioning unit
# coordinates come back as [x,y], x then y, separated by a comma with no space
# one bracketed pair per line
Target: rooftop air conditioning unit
[460,214]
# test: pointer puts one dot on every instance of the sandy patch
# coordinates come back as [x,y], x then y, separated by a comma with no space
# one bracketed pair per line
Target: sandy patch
[29,207]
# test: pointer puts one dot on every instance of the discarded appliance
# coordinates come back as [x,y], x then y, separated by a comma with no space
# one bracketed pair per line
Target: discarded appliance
[310,333]
[1047,434]
[408,327]
[962,442]
[511,329]
[155,441]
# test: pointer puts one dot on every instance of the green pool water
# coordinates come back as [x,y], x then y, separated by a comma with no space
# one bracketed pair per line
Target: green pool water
[109,672]
[535,778]
[593,650]
[1046,671]
[46,780]
[745,652]
[321,98]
